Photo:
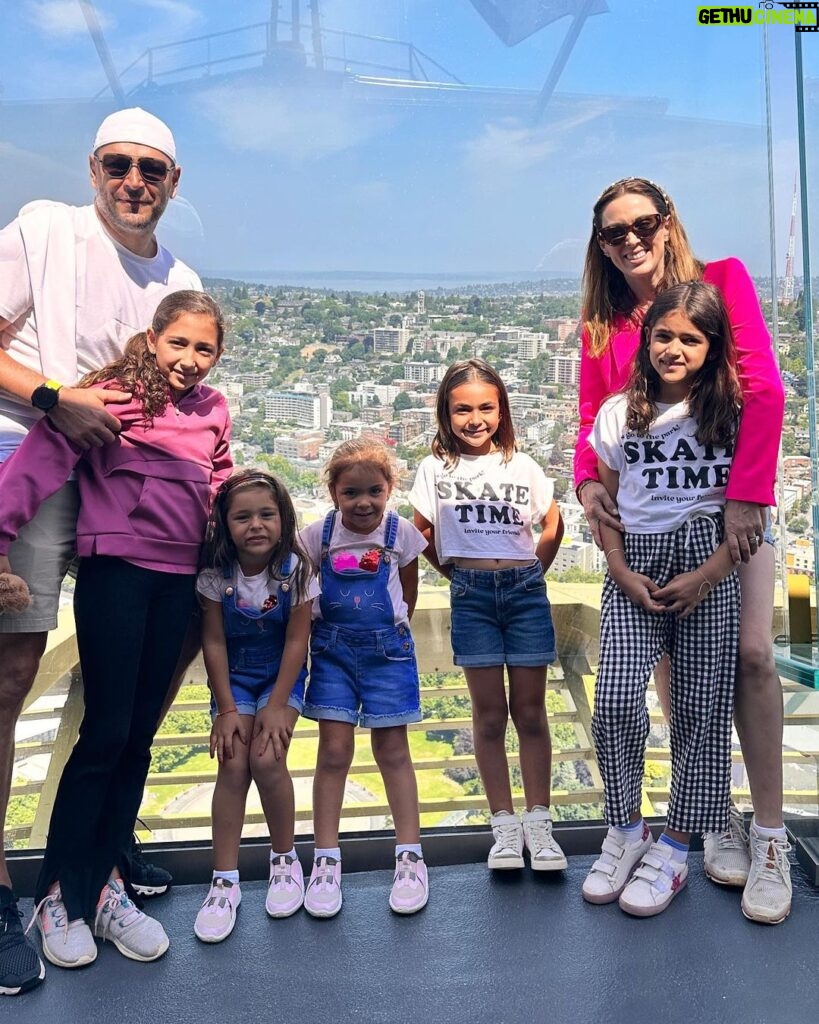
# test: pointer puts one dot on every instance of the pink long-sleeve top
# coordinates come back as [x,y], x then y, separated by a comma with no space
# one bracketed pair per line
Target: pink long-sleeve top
[145,497]
[753,470]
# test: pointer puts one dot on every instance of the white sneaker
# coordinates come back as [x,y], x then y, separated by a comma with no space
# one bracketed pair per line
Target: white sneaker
[507,851]
[611,871]
[217,915]
[767,894]
[655,883]
[65,943]
[544,852]
[727,857]
[135,935]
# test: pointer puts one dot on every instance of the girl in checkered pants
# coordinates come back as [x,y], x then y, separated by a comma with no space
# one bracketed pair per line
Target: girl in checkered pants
[664,447]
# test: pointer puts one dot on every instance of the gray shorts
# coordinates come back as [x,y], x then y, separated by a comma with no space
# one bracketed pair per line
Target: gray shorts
[42,554]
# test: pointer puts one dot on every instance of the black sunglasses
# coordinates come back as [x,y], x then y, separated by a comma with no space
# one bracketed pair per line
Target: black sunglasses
[151,170]
[644,228]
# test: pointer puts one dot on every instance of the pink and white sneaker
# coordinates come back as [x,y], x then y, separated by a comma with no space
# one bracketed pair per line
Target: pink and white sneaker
[410,886]
[217,915]
[655,883]
[322,897]
[285,890]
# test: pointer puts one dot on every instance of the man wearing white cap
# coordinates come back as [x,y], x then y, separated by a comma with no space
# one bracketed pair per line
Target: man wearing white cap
[75,284]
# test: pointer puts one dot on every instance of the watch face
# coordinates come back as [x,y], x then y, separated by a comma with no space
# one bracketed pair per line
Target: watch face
[44,398]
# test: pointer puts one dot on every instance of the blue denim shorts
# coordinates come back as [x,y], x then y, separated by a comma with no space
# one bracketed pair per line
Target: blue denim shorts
[501,617]
[250,700]
[364,677]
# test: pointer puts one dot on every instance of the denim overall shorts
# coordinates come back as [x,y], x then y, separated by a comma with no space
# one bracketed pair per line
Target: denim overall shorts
[255,641]
[362,666]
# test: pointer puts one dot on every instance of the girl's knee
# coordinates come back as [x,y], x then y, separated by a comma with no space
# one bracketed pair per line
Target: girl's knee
[267,768]
[234,773]
[490,728]
[335,757]
[756,664]
[530,720]
[391,749]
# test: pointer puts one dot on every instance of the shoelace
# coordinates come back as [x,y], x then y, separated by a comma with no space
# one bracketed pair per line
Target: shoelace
[110,904]
[56,908]
[507,836]
[541,833]
[772,854]
[734,836]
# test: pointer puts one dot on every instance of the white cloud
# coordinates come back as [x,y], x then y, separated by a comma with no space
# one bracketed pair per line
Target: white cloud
[291,123]
[60,18]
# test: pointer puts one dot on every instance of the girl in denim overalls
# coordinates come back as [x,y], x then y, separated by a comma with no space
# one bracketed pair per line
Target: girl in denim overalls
[362,667]
[255,597]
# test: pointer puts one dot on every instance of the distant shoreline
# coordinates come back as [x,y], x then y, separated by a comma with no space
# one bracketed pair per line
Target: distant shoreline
[397,282]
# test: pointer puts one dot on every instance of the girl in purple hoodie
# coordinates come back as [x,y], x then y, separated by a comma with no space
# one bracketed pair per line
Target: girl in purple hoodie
[143,507]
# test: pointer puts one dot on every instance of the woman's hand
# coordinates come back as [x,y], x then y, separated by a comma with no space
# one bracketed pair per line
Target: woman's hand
[273,725]
[640,590]
[744,529]
[222,733]
[599,507]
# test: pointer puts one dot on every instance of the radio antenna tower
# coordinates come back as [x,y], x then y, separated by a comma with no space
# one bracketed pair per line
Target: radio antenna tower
[787,284]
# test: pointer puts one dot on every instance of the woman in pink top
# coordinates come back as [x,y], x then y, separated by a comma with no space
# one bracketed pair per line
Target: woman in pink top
[637,248]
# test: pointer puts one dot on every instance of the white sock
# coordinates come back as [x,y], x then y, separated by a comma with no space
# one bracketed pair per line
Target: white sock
[229,876]
[632,832]
[291,854]
[769,833]
[333,852]
[679,851]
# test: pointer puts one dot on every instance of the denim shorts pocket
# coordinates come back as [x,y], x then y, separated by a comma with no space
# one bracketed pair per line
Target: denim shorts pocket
[457,588]
[402,648]
[534,582]
[319,644]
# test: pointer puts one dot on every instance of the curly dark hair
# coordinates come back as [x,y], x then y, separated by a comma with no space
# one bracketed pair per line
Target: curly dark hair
[220,551]
[715,398]
[136,370]
[445,444]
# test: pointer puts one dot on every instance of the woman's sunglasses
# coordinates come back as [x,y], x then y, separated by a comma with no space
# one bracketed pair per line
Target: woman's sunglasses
[151,170]
[644,228]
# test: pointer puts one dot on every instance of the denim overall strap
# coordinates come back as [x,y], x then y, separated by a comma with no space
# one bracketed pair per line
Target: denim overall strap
[391,532]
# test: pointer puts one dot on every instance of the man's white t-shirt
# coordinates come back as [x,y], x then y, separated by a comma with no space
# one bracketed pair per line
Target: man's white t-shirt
[115,296]
[483,507]
[666,475]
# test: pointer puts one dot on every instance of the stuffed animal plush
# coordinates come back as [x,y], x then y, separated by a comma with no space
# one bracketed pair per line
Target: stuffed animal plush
[14,595]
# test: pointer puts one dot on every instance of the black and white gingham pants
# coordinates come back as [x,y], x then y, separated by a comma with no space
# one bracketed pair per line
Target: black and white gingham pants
[703,651]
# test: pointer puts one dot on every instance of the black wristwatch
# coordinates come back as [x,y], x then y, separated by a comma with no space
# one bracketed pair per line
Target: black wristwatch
[45,397]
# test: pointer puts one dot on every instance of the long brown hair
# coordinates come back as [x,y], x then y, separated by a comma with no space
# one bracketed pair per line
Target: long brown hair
[445,444]
[715,398]
[220,552]
[606,293]
[136,370]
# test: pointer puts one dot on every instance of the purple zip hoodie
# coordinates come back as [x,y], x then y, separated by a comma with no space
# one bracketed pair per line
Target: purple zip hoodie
[144,497]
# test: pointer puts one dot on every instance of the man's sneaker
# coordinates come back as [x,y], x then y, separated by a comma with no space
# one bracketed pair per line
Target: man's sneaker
[285,890]
[544,852]
[323,895]
[147,879]
[410,886]
[655,883]
[65,943]
[611,871]
[767,894]
[727,857]
[135,935]
[507,851]
[217,915]
[20,966]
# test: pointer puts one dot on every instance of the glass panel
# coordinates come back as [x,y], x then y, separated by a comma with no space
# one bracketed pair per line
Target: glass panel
[426,170]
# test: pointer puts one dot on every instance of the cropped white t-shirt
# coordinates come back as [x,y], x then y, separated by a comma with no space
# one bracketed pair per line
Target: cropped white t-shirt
[666,475]
[346,545]
[483,507]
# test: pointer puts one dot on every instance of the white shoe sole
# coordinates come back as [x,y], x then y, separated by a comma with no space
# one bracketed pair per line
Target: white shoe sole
[552,864]
[323,913]
[410,910]
[277,913]
[150,890]
[505,863]
[132,954]
[764,920]
[734,881]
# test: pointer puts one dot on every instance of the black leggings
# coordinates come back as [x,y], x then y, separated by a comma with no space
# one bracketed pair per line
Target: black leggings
[131,623]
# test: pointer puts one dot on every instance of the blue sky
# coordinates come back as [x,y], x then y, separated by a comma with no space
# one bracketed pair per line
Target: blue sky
[280,173]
